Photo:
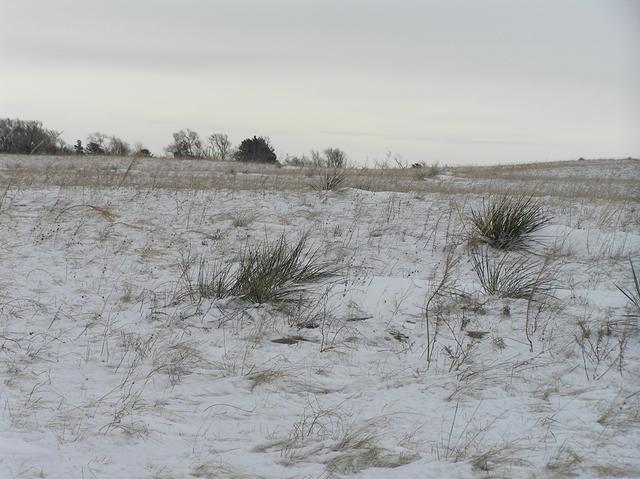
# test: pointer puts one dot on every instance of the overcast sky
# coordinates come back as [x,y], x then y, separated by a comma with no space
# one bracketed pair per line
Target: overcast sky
[455,81]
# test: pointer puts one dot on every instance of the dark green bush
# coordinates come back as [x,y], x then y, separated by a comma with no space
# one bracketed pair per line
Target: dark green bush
[256,149]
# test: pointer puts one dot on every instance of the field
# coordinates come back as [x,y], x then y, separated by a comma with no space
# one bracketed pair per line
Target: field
[117,361]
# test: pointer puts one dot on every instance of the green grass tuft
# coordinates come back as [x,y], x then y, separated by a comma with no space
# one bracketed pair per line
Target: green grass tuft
[507,222]
[330,180]
[272,272]
[510,277]
[278,272]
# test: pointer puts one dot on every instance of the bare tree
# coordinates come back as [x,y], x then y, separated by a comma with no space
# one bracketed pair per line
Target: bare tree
[118,147]
[186,144]
[220,147]
[329,158]
[336,158]
[96,144]
[316,159]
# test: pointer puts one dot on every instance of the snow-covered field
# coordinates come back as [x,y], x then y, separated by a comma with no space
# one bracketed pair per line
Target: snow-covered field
[108,369]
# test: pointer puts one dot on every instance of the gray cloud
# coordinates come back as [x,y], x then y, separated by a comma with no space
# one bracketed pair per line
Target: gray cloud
[422,75]
[446,140]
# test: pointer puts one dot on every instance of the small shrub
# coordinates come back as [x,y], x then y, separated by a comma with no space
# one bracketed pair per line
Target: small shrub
[510,277]
[142,153]
[507,222]
[633,293]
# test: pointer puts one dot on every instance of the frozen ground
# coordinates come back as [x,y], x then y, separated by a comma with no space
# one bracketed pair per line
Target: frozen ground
[107,369]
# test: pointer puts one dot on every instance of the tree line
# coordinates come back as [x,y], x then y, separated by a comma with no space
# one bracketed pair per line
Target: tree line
[32,137]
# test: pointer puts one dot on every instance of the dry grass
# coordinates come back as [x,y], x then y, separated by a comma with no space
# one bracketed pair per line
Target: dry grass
[510,170]
[241,219]
[329,180]
[169,173]
[217,470]
[265,376]
[327,435]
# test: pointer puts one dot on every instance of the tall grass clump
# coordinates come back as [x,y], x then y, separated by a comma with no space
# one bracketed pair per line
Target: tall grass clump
[507,222]
[633,293]
[214,282]
[277,272]
[330,180]
[272,272]
[510,277]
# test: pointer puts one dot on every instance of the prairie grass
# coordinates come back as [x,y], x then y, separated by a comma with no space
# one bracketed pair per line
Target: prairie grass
[217,470]
[242,220]
[278,273]
[104,212]
[510,276]
[199,175]
[214,282]
[507,222]
[330,180]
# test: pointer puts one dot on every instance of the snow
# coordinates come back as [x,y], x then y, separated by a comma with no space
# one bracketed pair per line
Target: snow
[107,371]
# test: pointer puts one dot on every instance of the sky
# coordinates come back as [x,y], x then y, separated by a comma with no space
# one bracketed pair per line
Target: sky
[455,81]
